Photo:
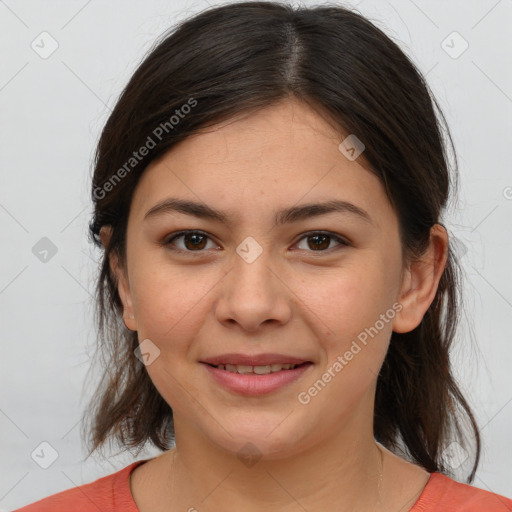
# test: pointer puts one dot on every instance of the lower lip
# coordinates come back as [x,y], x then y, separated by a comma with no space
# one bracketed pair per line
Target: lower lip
[252,384]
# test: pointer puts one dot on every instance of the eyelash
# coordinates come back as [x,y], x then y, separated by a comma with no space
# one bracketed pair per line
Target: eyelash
[180,234]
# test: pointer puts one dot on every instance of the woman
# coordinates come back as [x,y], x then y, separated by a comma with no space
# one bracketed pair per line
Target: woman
[268,192]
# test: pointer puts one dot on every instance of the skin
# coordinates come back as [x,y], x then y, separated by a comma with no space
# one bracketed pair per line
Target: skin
[293,299]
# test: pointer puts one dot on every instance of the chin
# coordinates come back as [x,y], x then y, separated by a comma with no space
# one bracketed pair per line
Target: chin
[252,442]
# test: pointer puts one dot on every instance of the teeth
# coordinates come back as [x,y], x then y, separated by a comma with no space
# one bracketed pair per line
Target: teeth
[278,367]
[258,370]
[263,370]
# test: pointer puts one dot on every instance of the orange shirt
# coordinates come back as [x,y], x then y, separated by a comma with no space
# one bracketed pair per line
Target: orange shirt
[112,494]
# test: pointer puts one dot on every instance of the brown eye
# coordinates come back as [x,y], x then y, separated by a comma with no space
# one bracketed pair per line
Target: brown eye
[196,241]
[193,241]
[320,242]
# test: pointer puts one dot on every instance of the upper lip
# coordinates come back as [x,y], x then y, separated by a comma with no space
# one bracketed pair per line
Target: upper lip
[253,360]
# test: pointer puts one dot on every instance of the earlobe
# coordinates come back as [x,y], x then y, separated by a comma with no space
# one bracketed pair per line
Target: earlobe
[123,287]
[105,234]
[420,282]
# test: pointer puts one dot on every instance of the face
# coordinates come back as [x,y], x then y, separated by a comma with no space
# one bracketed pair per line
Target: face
[322,288]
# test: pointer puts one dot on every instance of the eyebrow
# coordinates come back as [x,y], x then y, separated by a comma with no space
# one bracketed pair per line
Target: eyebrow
[287,215]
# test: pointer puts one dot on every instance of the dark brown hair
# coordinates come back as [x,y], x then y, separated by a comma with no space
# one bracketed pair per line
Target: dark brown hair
[234,59]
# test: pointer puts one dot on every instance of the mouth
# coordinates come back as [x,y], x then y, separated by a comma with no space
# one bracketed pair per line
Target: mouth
[257,379]
[257,370]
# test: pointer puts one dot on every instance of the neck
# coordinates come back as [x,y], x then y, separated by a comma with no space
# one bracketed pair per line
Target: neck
[347,472]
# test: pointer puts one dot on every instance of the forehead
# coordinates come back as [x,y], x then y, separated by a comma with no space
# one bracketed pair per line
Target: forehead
[275,157]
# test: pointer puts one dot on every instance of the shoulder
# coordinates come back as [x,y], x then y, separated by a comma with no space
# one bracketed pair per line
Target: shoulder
[109,493]
[445,493]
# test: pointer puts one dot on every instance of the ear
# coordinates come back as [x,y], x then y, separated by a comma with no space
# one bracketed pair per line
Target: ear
[123,285]
[420,282]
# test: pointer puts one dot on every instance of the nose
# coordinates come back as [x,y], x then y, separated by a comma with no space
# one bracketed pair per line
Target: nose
[253,294]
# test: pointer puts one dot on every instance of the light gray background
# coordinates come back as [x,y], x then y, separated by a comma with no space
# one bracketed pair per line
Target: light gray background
[52,111]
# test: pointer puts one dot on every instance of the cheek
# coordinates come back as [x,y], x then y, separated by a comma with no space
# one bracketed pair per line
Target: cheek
[356,310]
[170,305]
[348,299]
